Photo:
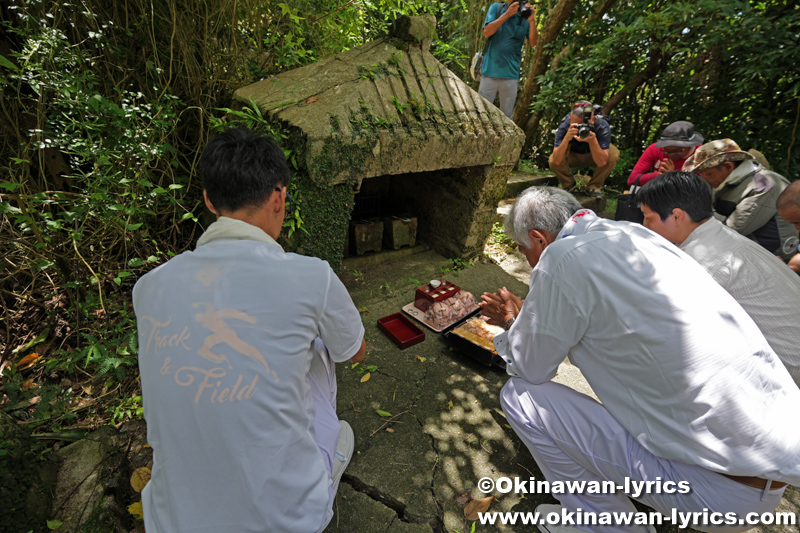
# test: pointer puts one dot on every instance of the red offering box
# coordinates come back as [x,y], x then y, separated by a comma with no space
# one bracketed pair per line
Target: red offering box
[426,296]
[401,330]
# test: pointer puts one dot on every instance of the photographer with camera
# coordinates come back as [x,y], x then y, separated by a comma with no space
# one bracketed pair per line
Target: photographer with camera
[584,140]
[507,26]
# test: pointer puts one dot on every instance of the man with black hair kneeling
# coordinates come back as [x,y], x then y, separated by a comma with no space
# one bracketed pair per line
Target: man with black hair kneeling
[692,394]
[238,341]
[677,206]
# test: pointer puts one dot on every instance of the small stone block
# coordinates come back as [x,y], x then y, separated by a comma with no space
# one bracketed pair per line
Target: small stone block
[399,231]
[366,235]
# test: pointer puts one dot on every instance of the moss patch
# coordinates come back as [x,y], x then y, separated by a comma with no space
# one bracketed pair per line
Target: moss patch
[326,220]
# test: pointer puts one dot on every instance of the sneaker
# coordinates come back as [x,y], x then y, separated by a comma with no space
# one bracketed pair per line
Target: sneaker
[548,508]
[595,193]
[344,452]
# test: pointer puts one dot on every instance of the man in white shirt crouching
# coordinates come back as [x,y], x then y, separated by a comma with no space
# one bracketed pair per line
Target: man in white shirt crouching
[238,341]
[695,403]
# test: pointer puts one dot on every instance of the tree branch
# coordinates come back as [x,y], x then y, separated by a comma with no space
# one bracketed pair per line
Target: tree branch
[654,64]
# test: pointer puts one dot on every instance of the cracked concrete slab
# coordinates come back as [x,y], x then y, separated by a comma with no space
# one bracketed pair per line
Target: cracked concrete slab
[356,511]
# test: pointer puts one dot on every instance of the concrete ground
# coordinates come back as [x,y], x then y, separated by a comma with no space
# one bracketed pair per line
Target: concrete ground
[445,429]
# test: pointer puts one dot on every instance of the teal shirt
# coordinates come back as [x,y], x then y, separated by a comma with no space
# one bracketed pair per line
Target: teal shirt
[505,46]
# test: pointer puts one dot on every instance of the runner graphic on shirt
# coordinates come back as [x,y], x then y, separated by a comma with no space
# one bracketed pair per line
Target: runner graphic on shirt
[222,333]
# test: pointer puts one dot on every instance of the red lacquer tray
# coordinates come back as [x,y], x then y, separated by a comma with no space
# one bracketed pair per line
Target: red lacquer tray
[401,330]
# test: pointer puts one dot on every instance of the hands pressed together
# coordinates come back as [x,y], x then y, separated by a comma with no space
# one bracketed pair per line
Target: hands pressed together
[665,165]
[499,307]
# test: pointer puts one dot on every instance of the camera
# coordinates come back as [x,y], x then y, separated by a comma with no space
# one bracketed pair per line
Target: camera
[586,112]
[524,9]
[586,128]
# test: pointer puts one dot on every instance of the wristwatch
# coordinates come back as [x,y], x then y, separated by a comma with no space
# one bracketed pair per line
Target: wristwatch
[508,323]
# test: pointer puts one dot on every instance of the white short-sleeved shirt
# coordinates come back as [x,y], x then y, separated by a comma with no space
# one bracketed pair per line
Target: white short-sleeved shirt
[225,342]
[668,351]
[762,284]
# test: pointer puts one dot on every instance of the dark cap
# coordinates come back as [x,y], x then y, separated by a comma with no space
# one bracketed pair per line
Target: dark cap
[679,133]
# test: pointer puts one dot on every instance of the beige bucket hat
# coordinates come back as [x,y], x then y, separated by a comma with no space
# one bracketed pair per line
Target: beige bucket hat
[715,153]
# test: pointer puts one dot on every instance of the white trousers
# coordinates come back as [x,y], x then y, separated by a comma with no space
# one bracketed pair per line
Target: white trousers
[322,379]
[490,88]
[573,437]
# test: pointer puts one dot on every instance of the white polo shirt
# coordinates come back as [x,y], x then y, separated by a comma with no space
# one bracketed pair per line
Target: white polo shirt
[225,342]
[762,284]
[668,351]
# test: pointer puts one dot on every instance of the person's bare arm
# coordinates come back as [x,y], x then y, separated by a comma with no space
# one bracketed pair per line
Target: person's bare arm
[491,28]
[359,356]
[560,151]
[533,34]
[599,156]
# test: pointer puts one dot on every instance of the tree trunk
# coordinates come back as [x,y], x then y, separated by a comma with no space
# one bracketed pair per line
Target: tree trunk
[541,58]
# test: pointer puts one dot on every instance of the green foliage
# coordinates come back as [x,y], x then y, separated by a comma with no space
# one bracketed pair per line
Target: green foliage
[303,32]
[326,223]
[93,198]
[457,264]
[527,165]
[619,176]
[107,351]
[374,71]
[499,237]
[725,65]
[459,27]
[363,369]
[126,408]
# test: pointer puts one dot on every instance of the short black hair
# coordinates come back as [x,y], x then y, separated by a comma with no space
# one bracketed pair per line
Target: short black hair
[685,190]
[241,168]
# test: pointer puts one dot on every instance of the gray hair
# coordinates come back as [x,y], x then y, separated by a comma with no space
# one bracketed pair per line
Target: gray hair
[541,209]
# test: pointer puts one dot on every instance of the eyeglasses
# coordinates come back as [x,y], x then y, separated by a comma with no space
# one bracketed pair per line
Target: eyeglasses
[288,199]
[673,152]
